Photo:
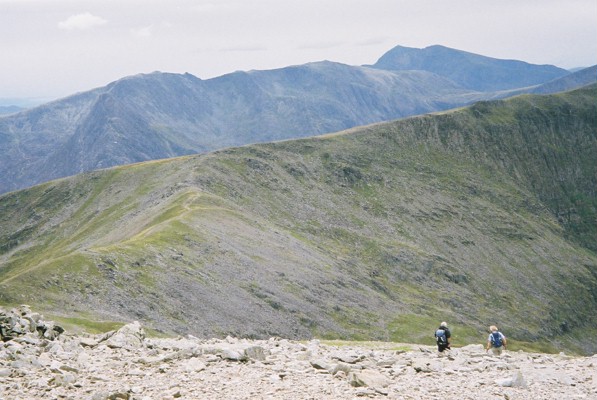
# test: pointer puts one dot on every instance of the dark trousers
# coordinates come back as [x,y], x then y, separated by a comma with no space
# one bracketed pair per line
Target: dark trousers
[442,347]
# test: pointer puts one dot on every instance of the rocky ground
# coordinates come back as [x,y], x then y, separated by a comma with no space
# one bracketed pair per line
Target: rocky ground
[38,360]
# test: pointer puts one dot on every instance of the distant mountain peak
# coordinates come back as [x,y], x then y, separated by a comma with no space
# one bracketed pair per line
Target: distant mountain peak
[469,70]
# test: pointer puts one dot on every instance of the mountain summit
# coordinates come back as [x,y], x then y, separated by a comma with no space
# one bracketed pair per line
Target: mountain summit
[471,71]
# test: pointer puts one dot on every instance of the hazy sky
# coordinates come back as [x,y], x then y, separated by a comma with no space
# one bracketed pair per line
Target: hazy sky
[54,48]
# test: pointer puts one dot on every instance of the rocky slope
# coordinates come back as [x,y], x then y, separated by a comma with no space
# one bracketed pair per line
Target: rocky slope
[125,364]
[479,215]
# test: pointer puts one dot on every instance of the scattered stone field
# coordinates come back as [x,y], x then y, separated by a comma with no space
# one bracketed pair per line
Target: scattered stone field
[38,360]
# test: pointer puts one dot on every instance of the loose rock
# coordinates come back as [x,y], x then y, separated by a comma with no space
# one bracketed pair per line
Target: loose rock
[127,365]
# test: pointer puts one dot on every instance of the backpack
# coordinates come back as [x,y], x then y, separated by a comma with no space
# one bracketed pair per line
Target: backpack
[496,339]
[440,336]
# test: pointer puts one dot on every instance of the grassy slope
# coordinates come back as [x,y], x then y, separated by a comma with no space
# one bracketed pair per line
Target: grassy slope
[374,233]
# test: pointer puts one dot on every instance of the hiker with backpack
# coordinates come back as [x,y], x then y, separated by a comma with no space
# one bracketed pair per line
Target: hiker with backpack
[442,337]
[496,341]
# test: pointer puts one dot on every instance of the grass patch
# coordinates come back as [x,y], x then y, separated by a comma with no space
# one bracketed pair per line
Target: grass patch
[414,328]
[411,328]
[368,344]
[358,322]
[87,325]
[532,347]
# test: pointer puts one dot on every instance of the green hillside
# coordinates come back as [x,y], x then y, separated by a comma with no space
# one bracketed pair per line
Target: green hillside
[483,215]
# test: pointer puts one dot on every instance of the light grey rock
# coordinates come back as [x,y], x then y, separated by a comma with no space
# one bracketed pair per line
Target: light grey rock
[388,363]
[63,379]
[473,350]
[341,375]
[117,395]
[173,368]
[55,366]
[517,380]
[88,342]
[340,367]
[130,337]
[194,365]
[320,364]
[369,378]
[182,354]
[349,358]
[55,349]
[257,353]
[50,330]
[422,366]
[233,355]
[135,372]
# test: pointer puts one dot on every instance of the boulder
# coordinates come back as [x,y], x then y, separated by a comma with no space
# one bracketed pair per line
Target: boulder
[129,337]
[256,353]
[517,380]
[369,378]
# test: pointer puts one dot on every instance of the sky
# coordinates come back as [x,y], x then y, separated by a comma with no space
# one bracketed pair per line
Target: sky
[54,48]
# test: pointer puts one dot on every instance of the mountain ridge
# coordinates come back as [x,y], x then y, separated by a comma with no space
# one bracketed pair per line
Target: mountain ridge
[362,234]
[161,115]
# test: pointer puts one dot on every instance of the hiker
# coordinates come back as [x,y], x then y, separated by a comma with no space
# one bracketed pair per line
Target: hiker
[442,337]
[496,341]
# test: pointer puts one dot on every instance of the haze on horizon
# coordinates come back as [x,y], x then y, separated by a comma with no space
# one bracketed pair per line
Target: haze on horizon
[55,48]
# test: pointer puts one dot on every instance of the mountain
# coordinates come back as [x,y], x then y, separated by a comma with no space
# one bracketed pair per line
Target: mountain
[162,115]
[576,79]
[481,215]
[471,71]
[165,115]
[4,110]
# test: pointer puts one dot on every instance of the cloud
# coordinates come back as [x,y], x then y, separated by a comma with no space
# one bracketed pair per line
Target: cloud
[81,21]
[142,32]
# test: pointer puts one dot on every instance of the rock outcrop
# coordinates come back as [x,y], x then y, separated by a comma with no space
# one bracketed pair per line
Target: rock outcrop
[21,321]
[125,364]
